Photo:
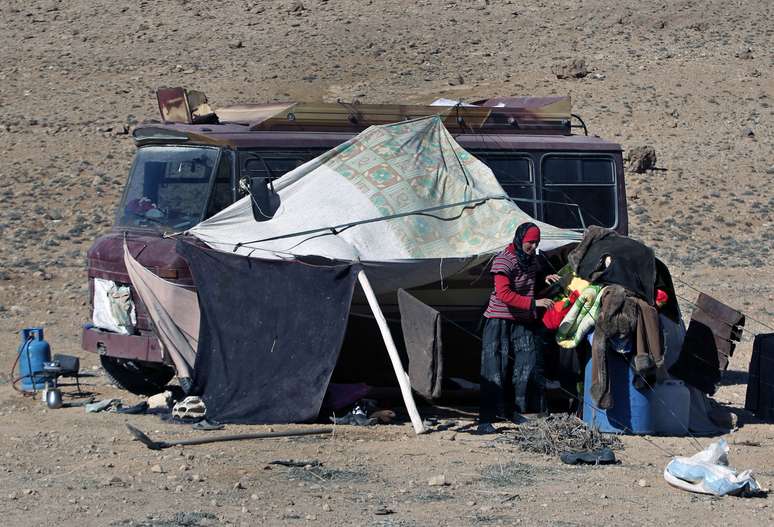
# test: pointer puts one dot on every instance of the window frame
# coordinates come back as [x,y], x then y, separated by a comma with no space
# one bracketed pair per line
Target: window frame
[580,155]
[136,158]
[481,155]
[269,153]
[223,158]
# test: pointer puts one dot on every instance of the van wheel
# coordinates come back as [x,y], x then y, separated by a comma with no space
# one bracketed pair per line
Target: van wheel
[138,377]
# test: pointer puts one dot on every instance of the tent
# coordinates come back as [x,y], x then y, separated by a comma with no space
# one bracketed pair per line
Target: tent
[398,206]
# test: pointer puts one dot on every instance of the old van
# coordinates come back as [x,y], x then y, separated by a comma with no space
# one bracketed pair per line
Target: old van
[195,162]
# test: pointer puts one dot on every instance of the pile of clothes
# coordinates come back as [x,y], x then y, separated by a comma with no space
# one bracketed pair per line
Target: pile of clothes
[614,286]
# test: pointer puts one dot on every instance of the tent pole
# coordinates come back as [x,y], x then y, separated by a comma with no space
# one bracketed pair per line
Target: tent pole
[403,379]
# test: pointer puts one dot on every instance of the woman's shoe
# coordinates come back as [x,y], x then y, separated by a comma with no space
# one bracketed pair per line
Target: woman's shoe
[486,428]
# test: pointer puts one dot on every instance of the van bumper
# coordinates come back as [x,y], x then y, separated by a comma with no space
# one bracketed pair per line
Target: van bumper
[138,347]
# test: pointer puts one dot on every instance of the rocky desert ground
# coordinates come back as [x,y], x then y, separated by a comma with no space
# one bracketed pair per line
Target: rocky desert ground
[691,78]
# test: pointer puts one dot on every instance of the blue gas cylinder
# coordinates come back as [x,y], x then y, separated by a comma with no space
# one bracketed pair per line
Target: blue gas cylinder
[33,352]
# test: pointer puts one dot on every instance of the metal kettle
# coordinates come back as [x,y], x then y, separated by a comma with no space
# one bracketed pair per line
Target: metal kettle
[54,398]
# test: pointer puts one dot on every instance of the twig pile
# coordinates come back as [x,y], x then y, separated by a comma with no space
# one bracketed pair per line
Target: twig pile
[557,434]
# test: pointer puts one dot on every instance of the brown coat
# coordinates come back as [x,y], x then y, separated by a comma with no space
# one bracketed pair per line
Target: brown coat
[623,314]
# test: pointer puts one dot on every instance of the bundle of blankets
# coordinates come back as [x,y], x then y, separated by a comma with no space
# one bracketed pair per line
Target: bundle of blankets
[613,282]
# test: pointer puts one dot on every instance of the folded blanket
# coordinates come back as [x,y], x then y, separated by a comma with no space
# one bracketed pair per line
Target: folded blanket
[580,319]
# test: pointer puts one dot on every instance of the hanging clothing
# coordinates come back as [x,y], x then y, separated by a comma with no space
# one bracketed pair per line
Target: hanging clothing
[605,257]
[421,325]
[623,315]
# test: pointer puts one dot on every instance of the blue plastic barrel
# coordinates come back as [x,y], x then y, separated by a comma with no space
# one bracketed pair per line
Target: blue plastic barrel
[33,352]
[631,412]
[672,408]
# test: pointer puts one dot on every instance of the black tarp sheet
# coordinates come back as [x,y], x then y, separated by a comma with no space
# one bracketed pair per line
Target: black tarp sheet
[760,384]
[270,334]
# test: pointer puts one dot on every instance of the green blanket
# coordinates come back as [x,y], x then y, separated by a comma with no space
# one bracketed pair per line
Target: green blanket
[581,317]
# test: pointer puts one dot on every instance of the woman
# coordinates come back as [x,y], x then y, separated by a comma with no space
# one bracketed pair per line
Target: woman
[511,345]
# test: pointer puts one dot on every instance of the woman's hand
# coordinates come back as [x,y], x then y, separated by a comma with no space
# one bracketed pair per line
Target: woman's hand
[552,279]
[545,303]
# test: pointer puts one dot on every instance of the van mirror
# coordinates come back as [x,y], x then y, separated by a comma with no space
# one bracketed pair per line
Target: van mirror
[263,199]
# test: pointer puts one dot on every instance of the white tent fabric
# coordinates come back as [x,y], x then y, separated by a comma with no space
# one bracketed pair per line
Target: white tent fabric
[386,170]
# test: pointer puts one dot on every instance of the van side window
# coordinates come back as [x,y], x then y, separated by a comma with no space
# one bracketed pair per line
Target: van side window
[587,181]
[269,165]
[516,175]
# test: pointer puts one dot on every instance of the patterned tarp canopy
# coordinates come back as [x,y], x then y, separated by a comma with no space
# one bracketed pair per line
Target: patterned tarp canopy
[385,171]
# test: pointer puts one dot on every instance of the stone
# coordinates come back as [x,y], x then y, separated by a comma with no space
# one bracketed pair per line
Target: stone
[326,507]
[54,215]
[575,69]
[748,132]
[641,159]
[115,481]
[643,483]
[437,481]
[745,52]
[157,469]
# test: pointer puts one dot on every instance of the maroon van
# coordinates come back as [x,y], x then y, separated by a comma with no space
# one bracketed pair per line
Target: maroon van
[195,163]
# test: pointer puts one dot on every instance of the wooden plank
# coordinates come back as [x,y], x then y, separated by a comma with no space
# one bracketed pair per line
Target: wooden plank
[721,311]
[718,327]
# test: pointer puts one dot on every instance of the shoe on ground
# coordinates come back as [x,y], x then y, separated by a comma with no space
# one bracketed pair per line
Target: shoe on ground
[485,429]
[603,456]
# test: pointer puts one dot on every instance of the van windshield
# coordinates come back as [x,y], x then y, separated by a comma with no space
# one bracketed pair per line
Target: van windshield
[168,187]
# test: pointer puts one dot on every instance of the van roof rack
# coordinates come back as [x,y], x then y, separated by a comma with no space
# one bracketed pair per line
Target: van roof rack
[532,115]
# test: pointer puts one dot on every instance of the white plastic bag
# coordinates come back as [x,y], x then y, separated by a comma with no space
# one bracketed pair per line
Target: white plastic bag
[113,307]
[708,473]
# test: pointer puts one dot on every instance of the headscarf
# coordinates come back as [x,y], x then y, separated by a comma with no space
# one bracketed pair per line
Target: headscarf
[524,259]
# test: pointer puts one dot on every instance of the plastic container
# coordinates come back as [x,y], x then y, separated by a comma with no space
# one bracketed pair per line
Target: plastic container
[631,412]
[33,351]
[671,408]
